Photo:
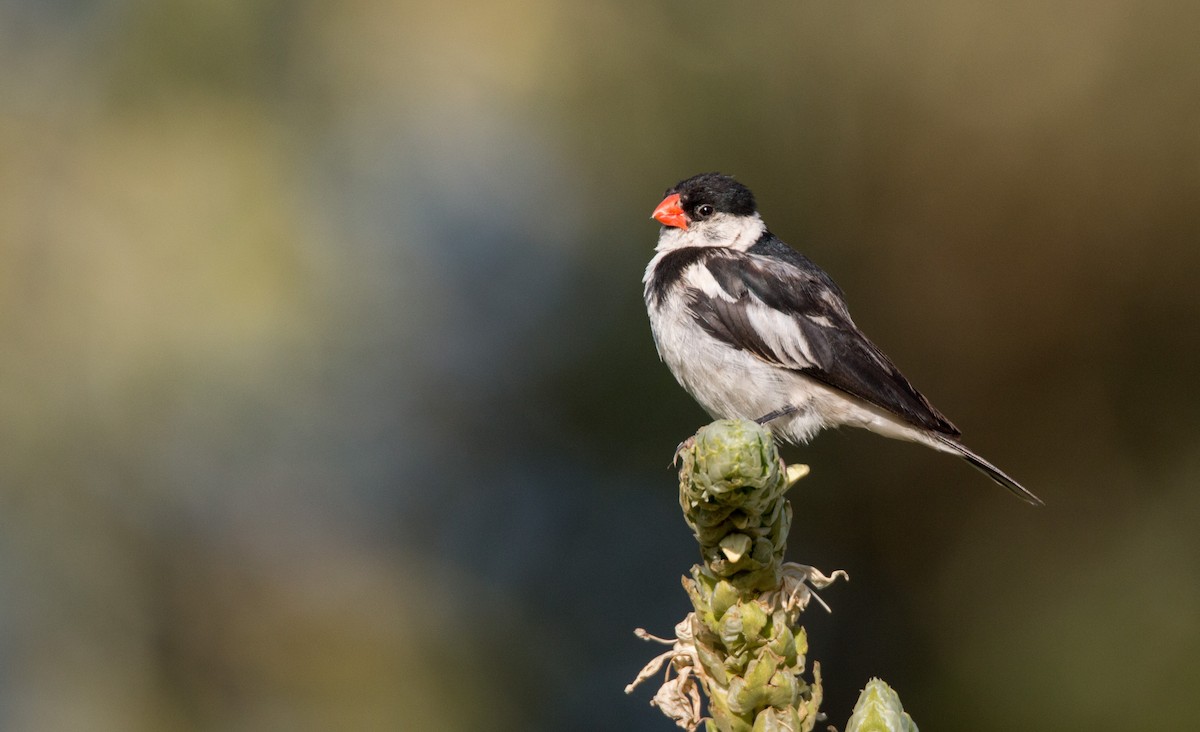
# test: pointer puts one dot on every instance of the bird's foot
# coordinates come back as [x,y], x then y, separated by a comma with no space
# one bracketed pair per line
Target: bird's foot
[683,446]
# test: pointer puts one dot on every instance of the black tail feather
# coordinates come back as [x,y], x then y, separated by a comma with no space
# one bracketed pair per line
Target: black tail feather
[991,471]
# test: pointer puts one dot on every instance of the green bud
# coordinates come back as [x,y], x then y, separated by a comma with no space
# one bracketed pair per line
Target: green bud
[733,457]
[754,622]
[735,546]
[879,710]
[724,596]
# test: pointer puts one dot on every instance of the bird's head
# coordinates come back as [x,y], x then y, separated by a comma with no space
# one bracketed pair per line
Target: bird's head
[710,209]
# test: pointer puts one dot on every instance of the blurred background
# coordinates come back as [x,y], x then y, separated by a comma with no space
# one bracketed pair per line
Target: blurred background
[328,400]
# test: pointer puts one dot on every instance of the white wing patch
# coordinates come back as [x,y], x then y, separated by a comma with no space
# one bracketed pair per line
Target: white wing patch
[834,303]
[700,277]
[781,333]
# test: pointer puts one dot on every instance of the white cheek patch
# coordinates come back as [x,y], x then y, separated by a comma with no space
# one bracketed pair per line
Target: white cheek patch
[722,230]
[733,232]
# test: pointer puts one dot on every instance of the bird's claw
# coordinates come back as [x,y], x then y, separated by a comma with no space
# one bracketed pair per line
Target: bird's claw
[683,446]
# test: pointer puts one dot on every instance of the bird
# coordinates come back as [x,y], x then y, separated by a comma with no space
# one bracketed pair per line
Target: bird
[753,329]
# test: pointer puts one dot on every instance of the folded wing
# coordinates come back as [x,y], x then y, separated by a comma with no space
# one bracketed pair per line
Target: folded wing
[777,305]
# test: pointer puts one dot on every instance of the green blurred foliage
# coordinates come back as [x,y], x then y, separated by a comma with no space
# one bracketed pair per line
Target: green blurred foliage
[325,379]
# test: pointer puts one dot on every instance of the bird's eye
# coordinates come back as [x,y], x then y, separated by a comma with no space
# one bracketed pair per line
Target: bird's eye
[704,211]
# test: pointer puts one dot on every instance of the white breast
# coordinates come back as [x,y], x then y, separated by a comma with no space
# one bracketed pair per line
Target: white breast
[730,383]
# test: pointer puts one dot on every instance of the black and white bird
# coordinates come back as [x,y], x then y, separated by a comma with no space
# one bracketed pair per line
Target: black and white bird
[753,329]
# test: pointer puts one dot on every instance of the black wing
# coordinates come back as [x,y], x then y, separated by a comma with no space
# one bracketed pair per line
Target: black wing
[773,302]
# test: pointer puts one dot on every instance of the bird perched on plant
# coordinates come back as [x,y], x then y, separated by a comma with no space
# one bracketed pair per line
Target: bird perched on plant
[752,329]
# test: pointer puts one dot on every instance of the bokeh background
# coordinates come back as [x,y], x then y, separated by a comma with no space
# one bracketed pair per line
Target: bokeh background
[328,401]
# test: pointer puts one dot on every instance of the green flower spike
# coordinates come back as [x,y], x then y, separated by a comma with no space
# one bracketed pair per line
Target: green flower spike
[741,647]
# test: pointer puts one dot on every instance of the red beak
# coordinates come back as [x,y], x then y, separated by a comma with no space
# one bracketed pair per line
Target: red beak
[669,213]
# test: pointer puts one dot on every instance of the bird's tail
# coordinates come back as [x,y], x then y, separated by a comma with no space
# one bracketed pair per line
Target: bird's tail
[952,446]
